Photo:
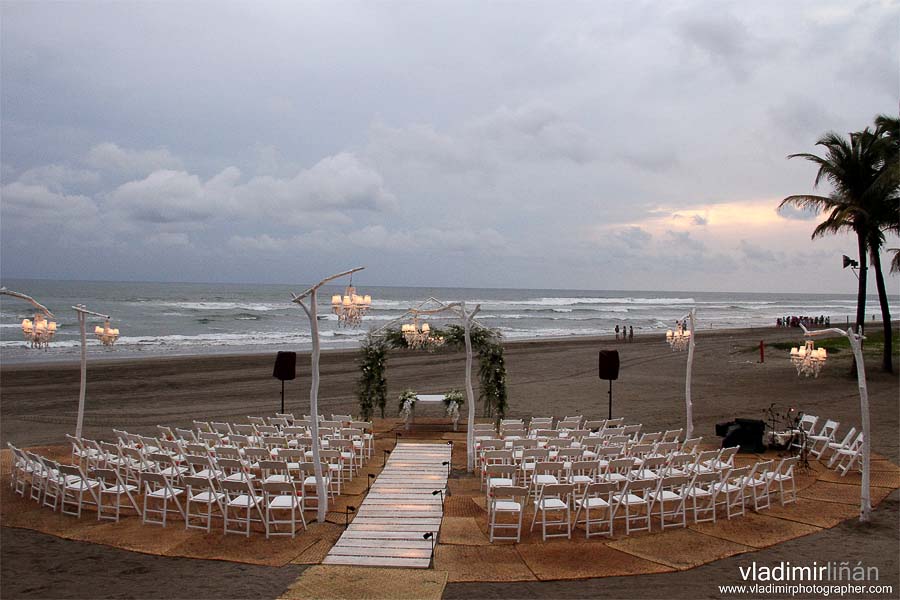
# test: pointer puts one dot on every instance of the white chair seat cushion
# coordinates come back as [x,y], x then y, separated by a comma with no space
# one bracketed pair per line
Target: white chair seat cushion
[545,479]
[728,487]
[243,501]
[665,495]
[550,504]
[207,497]
[119,488]
[311,480]
[698,493]
[630,499]
[166,493]
[576,479]
[592,503]
[82,485]
[615,477]
[240,477]
[499,481]
[284,502]
[277,478]
[507,505]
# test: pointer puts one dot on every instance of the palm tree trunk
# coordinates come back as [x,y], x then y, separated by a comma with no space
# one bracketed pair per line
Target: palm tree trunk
[861,290]
[886,363]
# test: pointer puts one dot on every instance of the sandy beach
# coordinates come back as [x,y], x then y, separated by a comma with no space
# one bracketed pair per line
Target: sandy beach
[547,377]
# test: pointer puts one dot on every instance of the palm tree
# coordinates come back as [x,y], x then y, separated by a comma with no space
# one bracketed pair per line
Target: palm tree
[885,216]
[850,166]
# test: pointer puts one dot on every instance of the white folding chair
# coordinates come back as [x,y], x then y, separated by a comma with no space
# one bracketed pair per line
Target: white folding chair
[112,487]
[848,440]
[158,488]
[282,498]
[783,475]
[201,493]
[671,497]
[507,501]
[818,442]
[848,457]
[759,483]
[702,493]
[241,498]
[732,491]
[74,490]
[637,498]
[553,509]
[597,505]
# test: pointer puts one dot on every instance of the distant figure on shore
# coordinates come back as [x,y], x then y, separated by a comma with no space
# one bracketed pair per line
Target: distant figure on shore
[631,333]
[617,333]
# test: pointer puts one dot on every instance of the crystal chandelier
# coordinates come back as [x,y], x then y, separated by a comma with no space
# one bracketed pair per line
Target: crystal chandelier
[420,337]
[351,307]
[808,360]
[39,332]
[679,339]
[106,334]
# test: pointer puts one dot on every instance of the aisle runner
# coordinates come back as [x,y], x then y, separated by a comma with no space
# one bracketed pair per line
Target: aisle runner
[399,510]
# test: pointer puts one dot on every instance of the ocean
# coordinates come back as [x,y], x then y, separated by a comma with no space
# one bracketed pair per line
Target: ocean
[169,319]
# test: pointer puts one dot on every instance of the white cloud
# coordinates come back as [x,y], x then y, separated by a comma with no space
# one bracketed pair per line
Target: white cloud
[36,206]
[166,197]
[111,158]
[58,177]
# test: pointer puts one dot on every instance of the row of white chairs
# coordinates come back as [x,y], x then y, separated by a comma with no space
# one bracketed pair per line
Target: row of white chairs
[276,503]
[598,504]
[845,454]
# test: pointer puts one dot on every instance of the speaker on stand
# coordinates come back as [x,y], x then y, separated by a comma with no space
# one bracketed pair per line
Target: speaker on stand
[609,370]
[285,370]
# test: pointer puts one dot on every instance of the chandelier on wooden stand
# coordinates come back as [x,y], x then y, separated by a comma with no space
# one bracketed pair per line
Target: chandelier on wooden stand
[39,332]
[808,360]
[420,337]
[350,307]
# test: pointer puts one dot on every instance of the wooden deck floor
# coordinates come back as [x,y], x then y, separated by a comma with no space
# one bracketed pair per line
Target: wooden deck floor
[399,510]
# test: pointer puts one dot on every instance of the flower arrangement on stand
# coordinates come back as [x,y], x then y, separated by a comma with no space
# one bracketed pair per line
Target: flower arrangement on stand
[453,400]
[407,406]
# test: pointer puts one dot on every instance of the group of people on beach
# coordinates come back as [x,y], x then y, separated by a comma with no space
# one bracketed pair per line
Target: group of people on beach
[806,321]
[627,333]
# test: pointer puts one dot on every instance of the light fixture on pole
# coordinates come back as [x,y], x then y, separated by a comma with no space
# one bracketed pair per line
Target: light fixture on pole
[106,334]
[311,310]
[855,339]
[808,360]
[420,337]
[679,339]
[82,317]
[40,331]
[351,307]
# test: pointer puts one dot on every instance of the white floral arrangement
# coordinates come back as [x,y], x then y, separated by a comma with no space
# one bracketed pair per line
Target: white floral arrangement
[453,400]
[407,404]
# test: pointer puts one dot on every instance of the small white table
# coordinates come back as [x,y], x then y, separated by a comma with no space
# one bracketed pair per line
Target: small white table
[429,399]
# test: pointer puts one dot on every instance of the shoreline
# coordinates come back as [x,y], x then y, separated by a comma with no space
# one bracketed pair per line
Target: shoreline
[27,361]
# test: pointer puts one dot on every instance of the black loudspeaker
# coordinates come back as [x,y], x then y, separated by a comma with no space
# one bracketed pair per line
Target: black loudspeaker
[609,364]
[285,366]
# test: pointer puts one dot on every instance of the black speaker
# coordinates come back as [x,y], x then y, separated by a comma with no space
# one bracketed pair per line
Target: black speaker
[285,366]
[609,364]
[746,433]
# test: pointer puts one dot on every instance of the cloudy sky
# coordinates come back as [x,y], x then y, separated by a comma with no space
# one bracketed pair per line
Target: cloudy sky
[593,145]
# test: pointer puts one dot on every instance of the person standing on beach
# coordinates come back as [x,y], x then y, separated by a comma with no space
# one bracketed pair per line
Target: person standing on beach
[631,333]
[617,333]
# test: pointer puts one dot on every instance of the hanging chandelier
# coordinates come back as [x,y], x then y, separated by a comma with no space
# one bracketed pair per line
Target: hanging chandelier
[679,339]
[420,337]
[39,332]
[106,334]
[351,307]
[808,360]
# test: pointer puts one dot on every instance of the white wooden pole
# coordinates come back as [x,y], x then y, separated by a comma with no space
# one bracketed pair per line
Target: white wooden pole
[865,501]
[467,318]
[688,405]
[321,492]
[80,420]
[312,312]
[855,339]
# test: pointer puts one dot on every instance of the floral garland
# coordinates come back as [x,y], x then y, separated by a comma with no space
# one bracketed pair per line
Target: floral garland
[453,400]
